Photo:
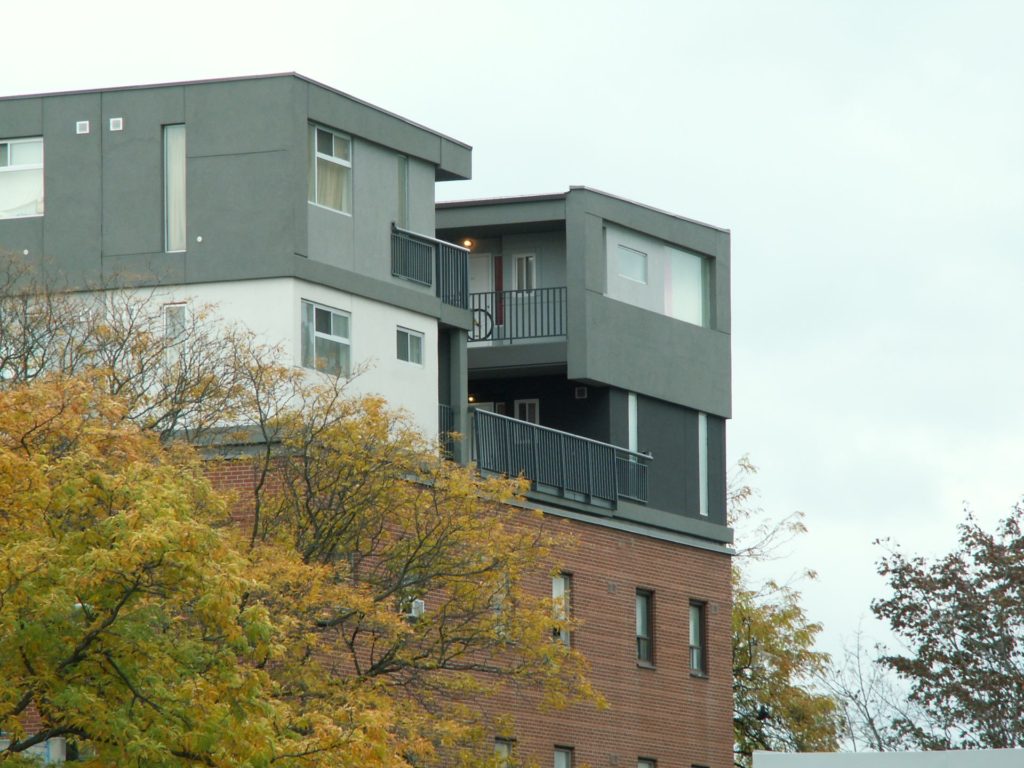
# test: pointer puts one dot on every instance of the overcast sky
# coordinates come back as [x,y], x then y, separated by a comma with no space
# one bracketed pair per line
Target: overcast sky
[866,155]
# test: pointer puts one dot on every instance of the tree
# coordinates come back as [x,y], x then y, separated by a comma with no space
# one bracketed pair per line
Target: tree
[373,597]
[776,702]
[961,617]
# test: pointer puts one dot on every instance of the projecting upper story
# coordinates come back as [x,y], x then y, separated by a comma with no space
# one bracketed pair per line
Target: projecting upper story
[217,181]
[612,292]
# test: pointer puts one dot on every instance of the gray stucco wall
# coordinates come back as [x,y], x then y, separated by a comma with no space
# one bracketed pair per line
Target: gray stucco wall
[247,146]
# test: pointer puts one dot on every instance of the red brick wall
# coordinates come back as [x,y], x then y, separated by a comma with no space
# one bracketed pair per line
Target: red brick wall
[664,712]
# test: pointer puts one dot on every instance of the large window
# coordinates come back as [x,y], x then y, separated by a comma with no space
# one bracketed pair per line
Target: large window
[21,177]
[174,187]
[561,599]
[330,169]
[325,339]
[410,346]
[644,626]
[698,638]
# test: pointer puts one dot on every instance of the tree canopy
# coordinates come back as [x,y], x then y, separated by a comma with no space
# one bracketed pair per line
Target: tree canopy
[961,618]
[352,607]
[778,703]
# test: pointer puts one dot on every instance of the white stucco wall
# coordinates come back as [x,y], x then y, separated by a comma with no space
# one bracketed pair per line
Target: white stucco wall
[271,309]
[974,758]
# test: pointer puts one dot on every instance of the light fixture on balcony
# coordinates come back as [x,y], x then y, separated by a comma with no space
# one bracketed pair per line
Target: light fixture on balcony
[472,398]
[467,243]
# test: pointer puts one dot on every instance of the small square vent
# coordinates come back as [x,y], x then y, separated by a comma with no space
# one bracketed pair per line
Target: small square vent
[82,126]
[580,393]
[117,123]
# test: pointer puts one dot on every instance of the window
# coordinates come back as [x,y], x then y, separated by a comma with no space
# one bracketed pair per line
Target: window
[698,634]
[687,282]
[174,188]
[410,346]
[330,169]
[644,635]
[403,191]
[646,762]
[563,757]
[561,599]
[503,751]
[526,272]
[631,422]
[702,461]
[175,318]
[632,264]
[528,410]
[21,177]
[325,339]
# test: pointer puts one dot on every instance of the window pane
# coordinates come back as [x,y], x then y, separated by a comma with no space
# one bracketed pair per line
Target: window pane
[632,264]
[415,349]
[329,356]
[342,147]
[563,758]
[3,155]
[323,321]
[311,165]
[21,193]
[331,182]
[339,325]
[694,625]
[307,335]
[27,153]
[174,187]
[324,142]
[402,343]
[174,321]
[685,296]
[641,616]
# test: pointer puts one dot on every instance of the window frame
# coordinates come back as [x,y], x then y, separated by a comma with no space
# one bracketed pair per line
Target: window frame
[562,605]
[568,752]
[526,402]
[503,748]
[308,337]
[645,642]
[315,155]
[175,241]
[9,167]
[409,334]
[698,630]
[526,277]
[646,762]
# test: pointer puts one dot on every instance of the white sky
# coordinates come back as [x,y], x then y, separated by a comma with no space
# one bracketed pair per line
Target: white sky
[866,155]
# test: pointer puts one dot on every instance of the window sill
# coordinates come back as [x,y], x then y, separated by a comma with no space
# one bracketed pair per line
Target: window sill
[699,675]
[645,665]
[328,208]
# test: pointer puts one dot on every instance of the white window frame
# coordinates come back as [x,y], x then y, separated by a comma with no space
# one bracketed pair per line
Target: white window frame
[409,334]
[697,619]
[175,188]
[526,272]
[561,603]
[308,337]
[526,403]
[9,167]
[631,253]
[315,155]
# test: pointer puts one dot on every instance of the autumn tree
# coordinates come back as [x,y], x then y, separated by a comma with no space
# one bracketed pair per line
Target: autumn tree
[961,618]
[778,703]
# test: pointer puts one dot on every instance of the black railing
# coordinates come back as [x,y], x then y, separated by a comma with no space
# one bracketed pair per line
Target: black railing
[511,315]
[559,462]
[429,261]
[445,428]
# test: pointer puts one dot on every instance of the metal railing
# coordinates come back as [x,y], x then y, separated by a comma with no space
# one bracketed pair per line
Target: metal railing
[511,315]
[559,462]
[445,427]
[428,261]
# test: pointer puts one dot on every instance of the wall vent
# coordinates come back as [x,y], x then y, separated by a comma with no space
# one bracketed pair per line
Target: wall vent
[82,126]
[117,123]
[580,393]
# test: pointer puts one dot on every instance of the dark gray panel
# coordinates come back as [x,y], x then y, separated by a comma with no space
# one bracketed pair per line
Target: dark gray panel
[22,118]
[718,479]
[239,117]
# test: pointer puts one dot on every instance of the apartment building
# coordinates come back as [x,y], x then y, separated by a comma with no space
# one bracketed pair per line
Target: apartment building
[579,339]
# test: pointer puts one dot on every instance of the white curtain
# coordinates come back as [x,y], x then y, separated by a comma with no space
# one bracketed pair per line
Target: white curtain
[174,187]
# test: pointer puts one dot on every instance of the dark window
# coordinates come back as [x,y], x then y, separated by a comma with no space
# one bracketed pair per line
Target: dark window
[644,626]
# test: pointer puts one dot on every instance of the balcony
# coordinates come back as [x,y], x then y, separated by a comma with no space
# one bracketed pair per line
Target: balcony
[431,262]
[511,316]
[559,463]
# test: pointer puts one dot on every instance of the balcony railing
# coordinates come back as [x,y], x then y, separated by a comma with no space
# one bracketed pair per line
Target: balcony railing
[432,262]
[512,315]
[559,462]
